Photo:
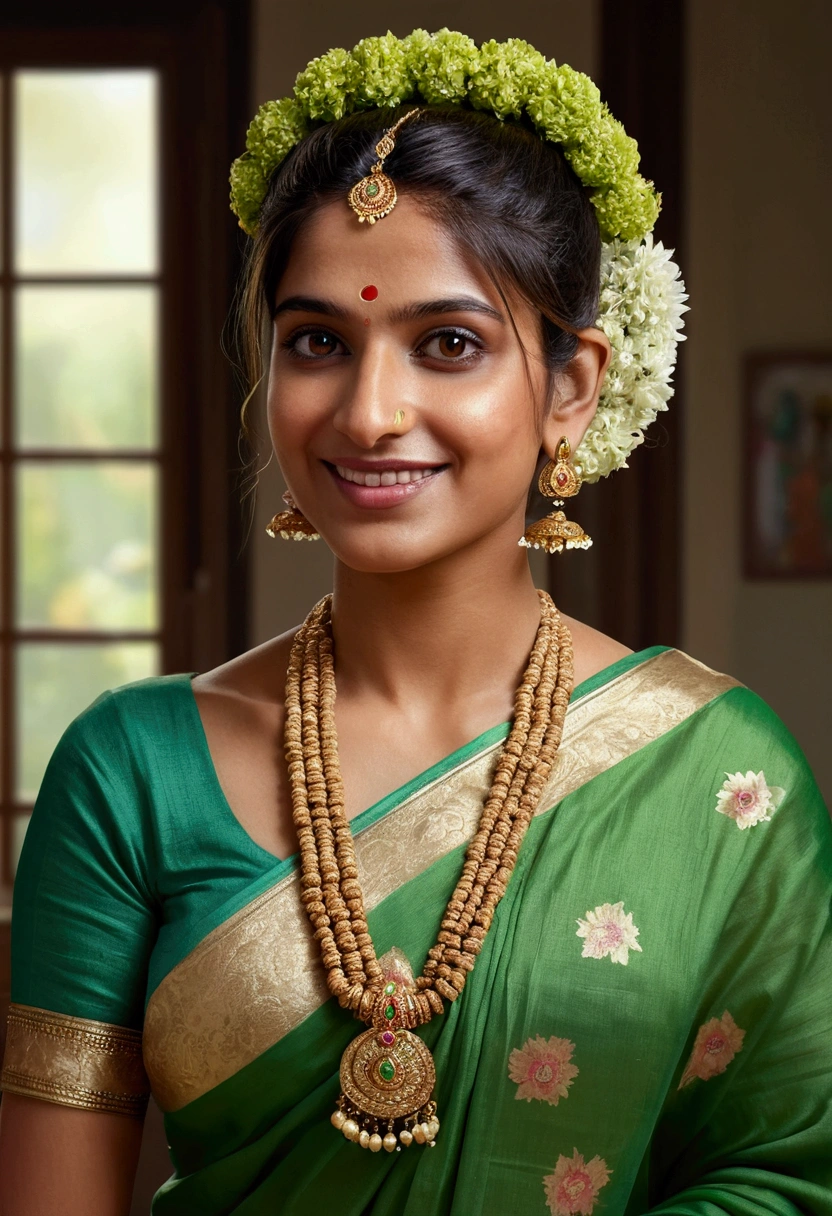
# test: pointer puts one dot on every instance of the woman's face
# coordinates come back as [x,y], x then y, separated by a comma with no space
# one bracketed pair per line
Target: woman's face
[408,426]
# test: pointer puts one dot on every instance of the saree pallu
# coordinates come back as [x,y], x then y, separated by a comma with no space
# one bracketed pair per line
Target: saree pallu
[648,1026]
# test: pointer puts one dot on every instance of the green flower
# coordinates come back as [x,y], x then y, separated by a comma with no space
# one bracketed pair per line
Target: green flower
[248,189]
[606,154]
[441,64]
[383,76]
[508,73]
[565,104]
[275,129]
[325,87]
[628,210]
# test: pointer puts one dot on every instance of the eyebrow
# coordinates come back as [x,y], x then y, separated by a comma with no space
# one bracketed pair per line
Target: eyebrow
[409,312]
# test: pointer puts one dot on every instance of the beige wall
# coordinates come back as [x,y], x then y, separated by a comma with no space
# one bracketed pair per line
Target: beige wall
[759,269]
[288,578]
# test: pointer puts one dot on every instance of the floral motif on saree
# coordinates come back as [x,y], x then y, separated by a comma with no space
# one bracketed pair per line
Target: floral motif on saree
[608,932]
[749,799]
[574,1184]
[543,1069]
[716,1044]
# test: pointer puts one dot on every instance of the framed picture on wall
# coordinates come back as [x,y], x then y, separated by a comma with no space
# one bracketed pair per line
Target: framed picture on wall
[788,465]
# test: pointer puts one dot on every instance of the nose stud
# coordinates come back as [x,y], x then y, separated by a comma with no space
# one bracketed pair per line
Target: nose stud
[398,418]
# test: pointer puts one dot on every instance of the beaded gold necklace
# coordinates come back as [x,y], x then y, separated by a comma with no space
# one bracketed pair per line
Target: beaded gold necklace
[387,1072]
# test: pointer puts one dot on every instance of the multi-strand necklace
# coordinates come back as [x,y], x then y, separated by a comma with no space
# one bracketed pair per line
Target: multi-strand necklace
[387,1072]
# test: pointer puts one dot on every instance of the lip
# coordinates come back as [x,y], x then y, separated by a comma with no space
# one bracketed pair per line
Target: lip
[360,465]
[381,497]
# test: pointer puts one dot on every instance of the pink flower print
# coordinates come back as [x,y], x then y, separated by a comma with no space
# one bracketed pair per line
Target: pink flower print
[748,800]
[608,932]
[574,1185]
[717,1042]
[543,1069]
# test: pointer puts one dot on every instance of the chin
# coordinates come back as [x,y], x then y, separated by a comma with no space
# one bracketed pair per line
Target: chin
[392,553]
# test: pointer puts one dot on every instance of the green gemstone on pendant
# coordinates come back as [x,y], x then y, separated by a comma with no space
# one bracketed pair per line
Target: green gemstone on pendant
[372,189]
[390,989]
[390,1012]
[387,1070]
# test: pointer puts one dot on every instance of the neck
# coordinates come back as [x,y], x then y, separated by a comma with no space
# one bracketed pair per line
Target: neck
[443,633]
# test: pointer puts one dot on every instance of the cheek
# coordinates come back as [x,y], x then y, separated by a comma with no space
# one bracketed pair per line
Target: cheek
[495,424]
[294,414]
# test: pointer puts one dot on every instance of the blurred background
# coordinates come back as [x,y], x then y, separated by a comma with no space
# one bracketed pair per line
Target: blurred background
[124,547]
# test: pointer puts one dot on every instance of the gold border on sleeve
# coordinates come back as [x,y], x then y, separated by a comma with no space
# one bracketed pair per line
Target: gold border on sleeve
[74,1062]
[258,975]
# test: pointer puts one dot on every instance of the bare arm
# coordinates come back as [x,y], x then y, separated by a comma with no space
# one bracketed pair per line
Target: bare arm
[65,1161]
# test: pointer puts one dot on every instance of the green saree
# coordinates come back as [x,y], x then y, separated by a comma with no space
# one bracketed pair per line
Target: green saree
[648,1027]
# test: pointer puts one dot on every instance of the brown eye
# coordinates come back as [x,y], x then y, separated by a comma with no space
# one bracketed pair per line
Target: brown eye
[319,344]
[451,346]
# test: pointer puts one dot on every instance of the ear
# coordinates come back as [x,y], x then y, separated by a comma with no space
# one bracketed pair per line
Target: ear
[576,392]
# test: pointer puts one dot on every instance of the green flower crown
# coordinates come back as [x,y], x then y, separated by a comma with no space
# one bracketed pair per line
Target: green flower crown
[510,79]
[642,296]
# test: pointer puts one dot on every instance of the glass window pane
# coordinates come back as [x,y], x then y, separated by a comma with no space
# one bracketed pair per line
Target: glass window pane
[55,683]
[87,545]
[86,171]
[85,367]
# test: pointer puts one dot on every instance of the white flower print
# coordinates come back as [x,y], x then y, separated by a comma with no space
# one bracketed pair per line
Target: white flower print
[748,800]
[608,932]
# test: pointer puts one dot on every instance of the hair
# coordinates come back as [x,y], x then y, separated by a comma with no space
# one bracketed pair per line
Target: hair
[509,199]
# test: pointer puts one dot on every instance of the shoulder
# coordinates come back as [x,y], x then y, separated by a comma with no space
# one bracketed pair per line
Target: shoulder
[739,711]
[130,717]
[247,691]
[594,651]
[738,745]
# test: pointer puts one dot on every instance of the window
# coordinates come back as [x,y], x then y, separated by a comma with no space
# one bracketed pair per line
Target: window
[81,439]
[120,526]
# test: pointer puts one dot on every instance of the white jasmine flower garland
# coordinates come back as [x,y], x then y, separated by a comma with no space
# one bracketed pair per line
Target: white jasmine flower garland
[640,310]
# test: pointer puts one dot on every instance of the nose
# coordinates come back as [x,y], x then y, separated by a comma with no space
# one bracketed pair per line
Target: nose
[374,405]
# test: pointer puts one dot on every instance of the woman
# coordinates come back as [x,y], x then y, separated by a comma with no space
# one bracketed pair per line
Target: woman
[619,996]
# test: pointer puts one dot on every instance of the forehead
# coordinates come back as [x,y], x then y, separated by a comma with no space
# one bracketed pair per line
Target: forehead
[406,254]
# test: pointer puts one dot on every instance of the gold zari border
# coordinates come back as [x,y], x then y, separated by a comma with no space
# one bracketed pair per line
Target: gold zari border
[258,976]
[74,1062]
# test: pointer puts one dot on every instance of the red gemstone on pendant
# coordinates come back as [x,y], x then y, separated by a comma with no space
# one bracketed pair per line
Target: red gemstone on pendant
[561,479]
[370,292]
[388,1038]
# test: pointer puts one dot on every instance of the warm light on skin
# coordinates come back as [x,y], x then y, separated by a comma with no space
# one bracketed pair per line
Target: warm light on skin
[481,413]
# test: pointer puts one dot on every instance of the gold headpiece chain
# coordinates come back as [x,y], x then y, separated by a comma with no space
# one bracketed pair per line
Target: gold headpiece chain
[375,195]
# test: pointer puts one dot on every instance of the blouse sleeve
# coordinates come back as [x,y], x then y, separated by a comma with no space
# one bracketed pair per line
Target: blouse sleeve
[747,1129]
[83,926]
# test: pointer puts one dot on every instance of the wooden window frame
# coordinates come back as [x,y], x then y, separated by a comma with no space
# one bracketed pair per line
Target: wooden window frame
[200,51]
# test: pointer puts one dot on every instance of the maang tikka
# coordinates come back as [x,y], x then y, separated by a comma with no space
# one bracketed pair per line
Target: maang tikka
[559,479]
[374,196]
[291,524]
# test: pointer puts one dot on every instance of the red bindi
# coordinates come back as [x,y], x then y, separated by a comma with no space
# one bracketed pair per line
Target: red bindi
[370,292]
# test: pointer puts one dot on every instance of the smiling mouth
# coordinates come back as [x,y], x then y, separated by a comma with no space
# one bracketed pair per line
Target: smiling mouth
[388,477]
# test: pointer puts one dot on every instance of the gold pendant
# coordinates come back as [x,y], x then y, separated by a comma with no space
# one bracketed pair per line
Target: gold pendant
[373,197]
[387,1073]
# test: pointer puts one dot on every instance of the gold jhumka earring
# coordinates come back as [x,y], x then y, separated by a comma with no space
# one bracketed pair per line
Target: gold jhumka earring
[291,524]
[554,533]
[375,195]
